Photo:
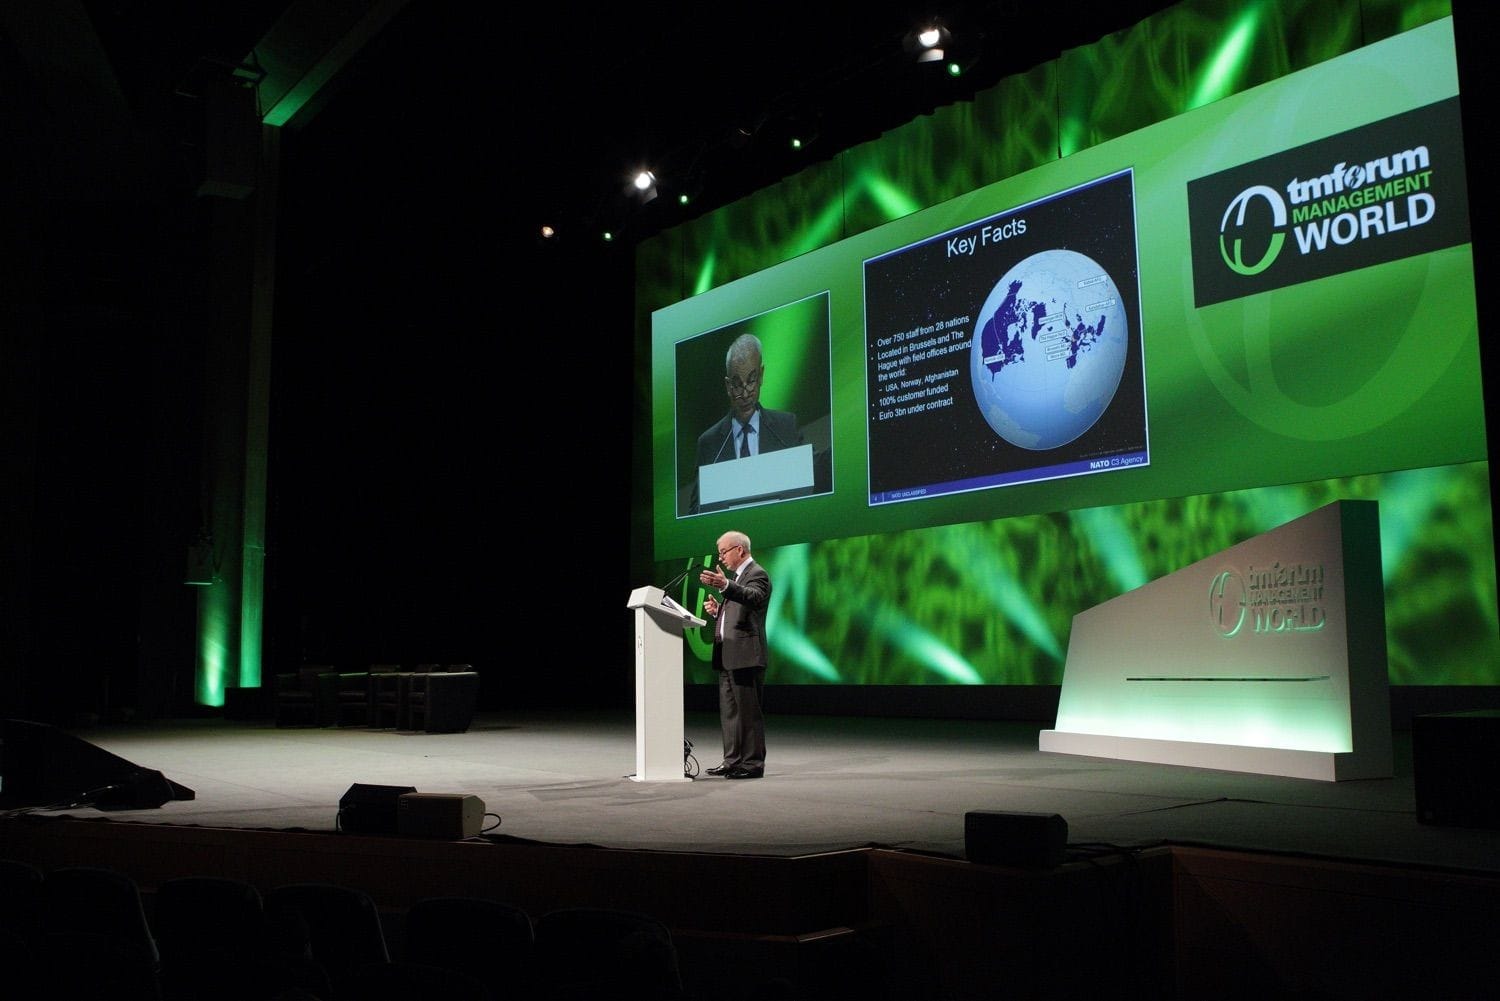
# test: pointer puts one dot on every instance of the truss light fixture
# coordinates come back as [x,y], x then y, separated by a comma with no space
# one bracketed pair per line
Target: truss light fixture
[643,184]
[927,42]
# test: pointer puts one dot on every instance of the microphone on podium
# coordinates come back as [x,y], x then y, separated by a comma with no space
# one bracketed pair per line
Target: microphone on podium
[681,577]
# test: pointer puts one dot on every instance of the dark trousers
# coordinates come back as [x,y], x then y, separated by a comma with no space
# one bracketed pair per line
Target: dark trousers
[740,718]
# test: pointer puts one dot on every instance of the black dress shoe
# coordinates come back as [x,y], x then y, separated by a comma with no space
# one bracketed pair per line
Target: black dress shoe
[744,773]
[718,770]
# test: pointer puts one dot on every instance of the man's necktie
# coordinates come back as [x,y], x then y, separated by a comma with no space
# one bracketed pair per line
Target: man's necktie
[745,430]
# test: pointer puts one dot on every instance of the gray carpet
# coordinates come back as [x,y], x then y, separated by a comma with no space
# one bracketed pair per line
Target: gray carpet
[832,783]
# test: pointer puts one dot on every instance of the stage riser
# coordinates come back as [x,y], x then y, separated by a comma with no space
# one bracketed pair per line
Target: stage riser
[1262,926]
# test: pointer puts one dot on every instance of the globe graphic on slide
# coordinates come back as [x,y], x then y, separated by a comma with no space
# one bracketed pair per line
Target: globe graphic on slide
[1048,349]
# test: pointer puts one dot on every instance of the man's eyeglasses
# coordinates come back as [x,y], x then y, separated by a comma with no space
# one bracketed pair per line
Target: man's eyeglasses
[726,552]
[739,387]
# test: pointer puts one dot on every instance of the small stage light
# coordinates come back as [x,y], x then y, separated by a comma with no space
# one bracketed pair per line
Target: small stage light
[644,185]
[926,43]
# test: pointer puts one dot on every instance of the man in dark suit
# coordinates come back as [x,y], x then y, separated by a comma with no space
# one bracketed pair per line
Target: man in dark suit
[748,428]
[740,654]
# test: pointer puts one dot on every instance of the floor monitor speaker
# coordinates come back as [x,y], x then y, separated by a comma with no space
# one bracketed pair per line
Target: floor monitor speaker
[439,815]
[1026,840]
[370,809]
[1455,761]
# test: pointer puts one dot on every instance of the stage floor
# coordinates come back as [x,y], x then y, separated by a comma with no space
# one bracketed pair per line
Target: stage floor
[832,784]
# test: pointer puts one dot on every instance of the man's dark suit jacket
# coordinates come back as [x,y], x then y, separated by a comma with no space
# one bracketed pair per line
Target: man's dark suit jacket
[778,430]
[743,609]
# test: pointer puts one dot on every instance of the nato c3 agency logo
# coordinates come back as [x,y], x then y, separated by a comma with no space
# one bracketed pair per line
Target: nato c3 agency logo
[1382,192]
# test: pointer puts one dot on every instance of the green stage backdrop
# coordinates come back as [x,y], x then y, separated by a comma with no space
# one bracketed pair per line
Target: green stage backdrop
[1118,346]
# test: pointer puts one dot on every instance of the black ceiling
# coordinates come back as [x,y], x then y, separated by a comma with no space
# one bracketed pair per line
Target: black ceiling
[544,114]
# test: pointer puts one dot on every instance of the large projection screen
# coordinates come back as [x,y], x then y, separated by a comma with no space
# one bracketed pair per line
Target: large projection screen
[1272,290]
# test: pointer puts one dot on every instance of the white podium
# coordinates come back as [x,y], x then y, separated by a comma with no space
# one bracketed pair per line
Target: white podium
[659,744]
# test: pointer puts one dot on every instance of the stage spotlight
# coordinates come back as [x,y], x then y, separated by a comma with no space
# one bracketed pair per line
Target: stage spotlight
[644,186]
[548,232]
[927,43]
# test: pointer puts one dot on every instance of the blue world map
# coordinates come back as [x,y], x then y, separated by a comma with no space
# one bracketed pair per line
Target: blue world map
[1048,349]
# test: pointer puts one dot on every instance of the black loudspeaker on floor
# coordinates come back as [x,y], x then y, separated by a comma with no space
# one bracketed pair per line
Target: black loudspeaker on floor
[370,809]
[1023,840]
[41,765]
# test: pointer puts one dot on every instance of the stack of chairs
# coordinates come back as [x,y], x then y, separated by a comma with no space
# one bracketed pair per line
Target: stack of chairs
[296,696]
[354,693]
[442,701]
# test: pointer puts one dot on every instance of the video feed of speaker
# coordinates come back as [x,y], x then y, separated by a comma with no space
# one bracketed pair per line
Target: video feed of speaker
[752,410]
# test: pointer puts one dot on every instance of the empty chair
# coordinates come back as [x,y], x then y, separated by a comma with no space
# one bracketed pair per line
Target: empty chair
[16,953]
[353,695]
[196,912]
[20,889]
[413,713]
[296,696]
[486,939]
[96,901]
[342,925]
[446,704]
[386,692]
[586,952]
[92,923]
[211,934]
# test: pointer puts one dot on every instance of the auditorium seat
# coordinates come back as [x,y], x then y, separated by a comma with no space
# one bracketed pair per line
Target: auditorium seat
[592,952]
[20,891]
[399,980]
[487,939]
[92,924]
[210,931]
[342,925]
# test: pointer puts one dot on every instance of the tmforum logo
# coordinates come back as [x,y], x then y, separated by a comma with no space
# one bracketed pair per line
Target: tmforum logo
[1279,599]
[1391,189]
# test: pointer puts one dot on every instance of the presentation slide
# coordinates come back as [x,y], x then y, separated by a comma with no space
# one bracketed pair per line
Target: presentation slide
[1013,344]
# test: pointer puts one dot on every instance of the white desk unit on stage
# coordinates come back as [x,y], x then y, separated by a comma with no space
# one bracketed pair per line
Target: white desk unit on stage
[1269,657]
[659,740]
